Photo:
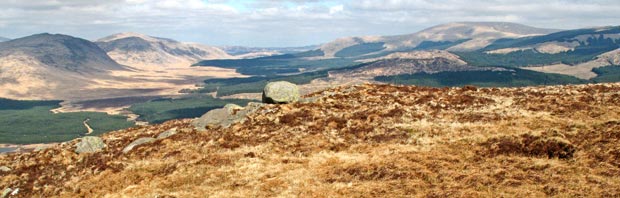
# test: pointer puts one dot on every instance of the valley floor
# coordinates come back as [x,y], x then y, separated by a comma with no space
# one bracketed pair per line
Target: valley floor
[359,141]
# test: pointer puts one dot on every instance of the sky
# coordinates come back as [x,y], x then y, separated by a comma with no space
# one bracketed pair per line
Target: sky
[280,23]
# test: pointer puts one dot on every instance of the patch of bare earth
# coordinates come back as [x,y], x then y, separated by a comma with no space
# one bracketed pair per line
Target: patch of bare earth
[360,141]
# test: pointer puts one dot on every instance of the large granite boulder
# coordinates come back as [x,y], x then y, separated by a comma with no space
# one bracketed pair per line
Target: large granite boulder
[90,144]
[225,117]
[280,92]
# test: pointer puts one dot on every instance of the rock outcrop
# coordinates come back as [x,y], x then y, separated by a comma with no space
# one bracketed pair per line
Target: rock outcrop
[280,92]
[90,144]
[138,142]
[168,133]
[225,117]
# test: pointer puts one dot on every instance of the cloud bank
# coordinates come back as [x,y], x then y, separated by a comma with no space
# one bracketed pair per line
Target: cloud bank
[285,22]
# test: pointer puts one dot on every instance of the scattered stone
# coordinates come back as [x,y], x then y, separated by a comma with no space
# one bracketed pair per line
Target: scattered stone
[15,192]
[4,169]
[309,99]
[138,142]
[40,148]
[90,144]
[6,192]
[232,107]
[167,133]
[280,92]
[225,117]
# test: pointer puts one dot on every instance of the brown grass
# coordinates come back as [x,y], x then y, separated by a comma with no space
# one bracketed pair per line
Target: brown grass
[362,141]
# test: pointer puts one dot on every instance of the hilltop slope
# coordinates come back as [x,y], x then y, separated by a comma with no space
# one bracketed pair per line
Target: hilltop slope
[360,141]
[143,51]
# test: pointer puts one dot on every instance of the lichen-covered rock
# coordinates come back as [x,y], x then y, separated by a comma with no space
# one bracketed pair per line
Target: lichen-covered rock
[90,144]
[6,193]
[167,133]
[224,117]
[4,169]
[280,92]
[138,142]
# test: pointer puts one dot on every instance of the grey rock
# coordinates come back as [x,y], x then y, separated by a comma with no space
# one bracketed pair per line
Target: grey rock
[309,99]
[4,169]
[6,192]
[280,92]
[40,148]
[90,144]
[232,107]
[138,142]
[225,117]
[167,133]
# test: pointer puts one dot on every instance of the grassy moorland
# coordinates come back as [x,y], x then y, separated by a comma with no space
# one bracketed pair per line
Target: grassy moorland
[361,141]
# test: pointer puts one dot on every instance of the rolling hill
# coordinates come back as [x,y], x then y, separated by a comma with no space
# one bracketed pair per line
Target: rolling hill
[461,36]
[142,51]
[571,52]
[50,66]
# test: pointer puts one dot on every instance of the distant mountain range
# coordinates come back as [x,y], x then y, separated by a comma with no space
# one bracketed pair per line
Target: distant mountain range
[254,52]
[2,39]
[464,36]
[38,66]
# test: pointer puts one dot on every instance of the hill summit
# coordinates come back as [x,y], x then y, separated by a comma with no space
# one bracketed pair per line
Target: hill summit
[140,51]
[358,141]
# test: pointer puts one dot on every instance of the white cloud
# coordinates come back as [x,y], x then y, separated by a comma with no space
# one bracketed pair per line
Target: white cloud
[336,9]
[285,22]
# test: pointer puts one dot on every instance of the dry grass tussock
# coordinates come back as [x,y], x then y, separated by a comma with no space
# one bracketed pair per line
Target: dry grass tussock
[360,141]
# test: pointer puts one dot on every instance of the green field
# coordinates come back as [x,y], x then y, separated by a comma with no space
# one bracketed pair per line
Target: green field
[607,74]
[23,122]
[518,78]
[161,110]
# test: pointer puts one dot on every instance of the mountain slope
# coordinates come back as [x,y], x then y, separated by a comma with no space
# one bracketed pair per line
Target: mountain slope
[142,51]
[571,52]
[360,141]
[44,66]
[461,36]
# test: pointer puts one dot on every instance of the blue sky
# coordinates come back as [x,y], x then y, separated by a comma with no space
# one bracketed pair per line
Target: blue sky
[285,22]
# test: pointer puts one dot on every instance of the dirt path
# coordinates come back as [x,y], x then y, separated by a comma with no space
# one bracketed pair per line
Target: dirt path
[90,130]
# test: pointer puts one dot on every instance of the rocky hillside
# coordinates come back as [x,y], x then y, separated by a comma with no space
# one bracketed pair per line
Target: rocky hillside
[143,51]
[432,61]
[358,141]
[39,66]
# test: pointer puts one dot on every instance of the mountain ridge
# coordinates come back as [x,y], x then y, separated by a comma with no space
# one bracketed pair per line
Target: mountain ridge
[476,34]
[38,66]
[143,51]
